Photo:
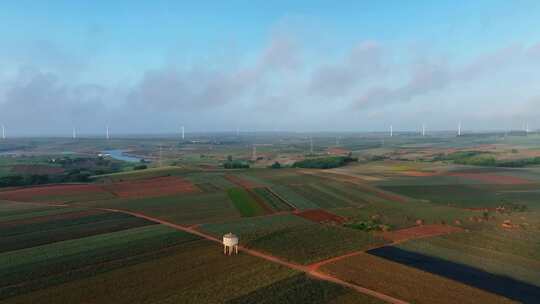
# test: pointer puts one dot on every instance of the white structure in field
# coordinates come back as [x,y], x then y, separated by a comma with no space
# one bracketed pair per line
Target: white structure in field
[230,244]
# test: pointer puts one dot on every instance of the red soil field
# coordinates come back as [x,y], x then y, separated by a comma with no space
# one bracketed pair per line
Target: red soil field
[36,169]
[491,178]
[320,216]
[242,182]
[418,173]
[418,232]
[159,186]
[29,194]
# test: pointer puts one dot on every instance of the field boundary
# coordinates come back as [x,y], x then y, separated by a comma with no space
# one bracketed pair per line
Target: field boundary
[281,198]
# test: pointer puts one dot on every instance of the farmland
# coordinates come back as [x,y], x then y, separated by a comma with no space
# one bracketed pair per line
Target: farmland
[306,235]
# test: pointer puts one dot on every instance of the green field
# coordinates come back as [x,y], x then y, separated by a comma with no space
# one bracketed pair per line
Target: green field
[273,201]
[39,231]
[180,209]
[244,202]
[292,237]
[512,253]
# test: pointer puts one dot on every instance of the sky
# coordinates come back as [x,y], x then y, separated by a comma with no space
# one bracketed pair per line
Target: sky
[153,66]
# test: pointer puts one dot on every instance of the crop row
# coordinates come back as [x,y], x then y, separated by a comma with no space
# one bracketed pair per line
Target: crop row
[40,266]
[27,235]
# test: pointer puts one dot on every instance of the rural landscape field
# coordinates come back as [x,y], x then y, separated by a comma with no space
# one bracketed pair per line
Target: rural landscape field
[407,221]
[275,152]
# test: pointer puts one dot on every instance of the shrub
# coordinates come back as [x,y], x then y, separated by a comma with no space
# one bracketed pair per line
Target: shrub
[324,162]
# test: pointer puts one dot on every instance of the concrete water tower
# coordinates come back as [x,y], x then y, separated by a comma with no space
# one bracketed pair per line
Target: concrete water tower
[230,244]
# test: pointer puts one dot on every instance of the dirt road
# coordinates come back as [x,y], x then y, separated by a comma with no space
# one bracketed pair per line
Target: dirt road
[310,270]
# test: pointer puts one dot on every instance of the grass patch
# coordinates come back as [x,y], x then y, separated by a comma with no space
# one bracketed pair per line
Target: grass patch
[245,204]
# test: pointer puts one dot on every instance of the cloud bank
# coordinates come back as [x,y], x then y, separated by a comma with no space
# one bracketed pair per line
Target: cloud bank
[284,86]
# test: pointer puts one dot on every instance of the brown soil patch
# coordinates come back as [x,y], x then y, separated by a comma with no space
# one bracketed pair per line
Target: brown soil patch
[418,173]
[31,193]
[419,232]
[491,178]
[159,186]
[242,182]
[36,169]
[321,216]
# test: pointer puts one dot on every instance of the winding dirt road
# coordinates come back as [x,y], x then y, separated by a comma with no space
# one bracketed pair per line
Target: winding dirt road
[311,270]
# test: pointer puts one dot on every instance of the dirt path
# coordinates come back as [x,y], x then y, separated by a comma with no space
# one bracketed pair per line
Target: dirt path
[317,265]
[307,269]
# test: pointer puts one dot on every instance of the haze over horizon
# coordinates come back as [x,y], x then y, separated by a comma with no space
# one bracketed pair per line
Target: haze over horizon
[305,66]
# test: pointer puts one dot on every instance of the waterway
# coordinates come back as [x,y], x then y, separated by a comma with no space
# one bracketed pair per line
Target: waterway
[120,155]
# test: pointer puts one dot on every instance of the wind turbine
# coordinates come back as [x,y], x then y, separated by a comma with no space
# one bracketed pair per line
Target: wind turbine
[391,131]
[74,135]
[183,133]
[459,129]
[3,132]
[311,145]
[423,129]
[107,133]
[254,152]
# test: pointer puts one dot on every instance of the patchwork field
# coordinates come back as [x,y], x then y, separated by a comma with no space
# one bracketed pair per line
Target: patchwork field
[295,238]
[125,259]
[407,220]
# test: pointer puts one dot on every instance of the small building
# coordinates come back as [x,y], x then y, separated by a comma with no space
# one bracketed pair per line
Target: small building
[230,244]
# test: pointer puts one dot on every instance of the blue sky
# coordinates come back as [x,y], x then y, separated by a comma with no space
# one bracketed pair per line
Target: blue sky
[148,66]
